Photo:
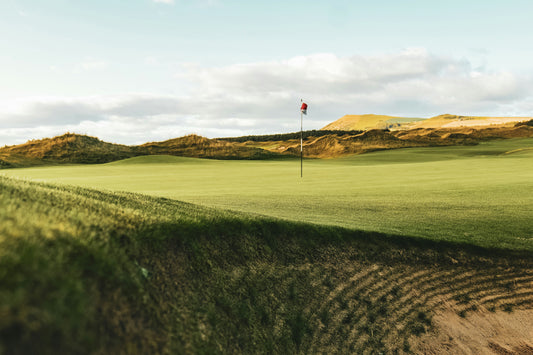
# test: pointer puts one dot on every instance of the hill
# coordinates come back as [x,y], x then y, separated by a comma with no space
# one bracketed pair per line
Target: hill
[370,121]
[68,148]
[455,121]
[86,271]
[367,122]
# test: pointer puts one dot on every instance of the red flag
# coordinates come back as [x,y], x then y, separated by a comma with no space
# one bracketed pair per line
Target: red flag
[304,108]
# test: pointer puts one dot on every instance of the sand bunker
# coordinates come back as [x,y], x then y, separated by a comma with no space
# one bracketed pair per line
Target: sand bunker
[481,332]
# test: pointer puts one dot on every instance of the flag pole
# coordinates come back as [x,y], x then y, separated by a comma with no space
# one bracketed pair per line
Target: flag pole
[301,142]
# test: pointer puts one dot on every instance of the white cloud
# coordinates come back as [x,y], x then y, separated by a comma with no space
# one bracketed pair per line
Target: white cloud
[257,98]
[164,1]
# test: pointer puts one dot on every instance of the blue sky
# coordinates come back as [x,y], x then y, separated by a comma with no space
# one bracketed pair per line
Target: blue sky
[143,70]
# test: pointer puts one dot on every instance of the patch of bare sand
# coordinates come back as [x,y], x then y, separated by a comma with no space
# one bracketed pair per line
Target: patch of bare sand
[480,332]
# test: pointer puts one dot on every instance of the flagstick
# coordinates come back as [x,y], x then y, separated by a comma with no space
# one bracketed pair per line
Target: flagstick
[301,142]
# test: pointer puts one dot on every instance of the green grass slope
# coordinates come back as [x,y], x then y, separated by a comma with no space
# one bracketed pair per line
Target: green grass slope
[85,271]
[472,194]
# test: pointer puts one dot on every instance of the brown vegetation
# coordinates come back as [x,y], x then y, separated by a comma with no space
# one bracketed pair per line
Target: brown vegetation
[335,145]
[81,149]
[201,147]
[68,148]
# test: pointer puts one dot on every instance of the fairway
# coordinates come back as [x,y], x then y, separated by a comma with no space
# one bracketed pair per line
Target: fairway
[474,194]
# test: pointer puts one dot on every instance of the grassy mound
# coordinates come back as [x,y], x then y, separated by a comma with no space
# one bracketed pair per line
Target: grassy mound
[68,148]
[84,271]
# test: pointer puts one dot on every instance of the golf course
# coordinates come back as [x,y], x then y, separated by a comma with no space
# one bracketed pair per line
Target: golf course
[416,250]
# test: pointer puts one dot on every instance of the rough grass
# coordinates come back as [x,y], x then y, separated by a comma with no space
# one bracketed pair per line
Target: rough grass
[74,148]
[86,271]
[468,194]
[68,148]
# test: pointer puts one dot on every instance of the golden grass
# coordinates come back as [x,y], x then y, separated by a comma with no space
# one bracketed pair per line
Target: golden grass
[360,122]
[370,121]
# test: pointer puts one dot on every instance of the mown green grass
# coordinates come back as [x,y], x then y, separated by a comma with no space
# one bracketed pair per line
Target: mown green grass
[471,194]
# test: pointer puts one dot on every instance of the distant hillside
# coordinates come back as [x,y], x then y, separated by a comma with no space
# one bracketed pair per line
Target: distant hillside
[367,122]
[454,121]
[370,121]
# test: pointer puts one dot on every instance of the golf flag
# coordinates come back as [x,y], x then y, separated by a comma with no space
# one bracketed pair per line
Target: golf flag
[304,108]
[303,111]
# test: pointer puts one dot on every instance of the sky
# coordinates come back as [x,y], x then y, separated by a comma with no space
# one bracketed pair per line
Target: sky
[137,71]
